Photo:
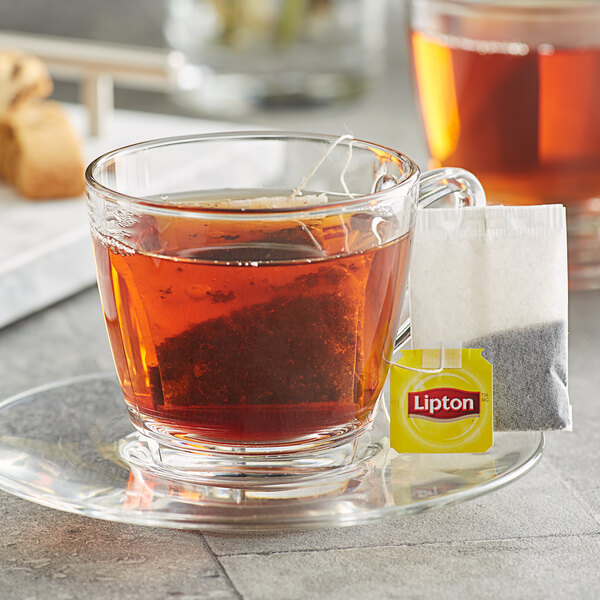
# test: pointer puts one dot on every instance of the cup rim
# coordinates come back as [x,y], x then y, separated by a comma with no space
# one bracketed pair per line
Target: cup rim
[409,178]
[516,7]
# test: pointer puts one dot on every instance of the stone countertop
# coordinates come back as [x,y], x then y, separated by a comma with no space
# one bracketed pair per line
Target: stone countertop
[538,537]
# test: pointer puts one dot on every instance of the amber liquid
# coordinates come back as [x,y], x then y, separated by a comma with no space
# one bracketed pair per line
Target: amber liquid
[527,124]
[254,333]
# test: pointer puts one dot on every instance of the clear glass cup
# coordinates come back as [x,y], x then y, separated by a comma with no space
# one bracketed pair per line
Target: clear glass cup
[509,89]
[255,334]
[256,53]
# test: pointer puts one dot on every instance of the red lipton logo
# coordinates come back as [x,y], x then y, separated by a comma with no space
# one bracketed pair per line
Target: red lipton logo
[444,404]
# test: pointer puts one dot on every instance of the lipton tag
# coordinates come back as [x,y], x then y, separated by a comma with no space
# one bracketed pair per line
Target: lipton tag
[448,409]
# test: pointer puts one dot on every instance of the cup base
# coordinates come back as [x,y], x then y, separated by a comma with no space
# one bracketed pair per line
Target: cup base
[168,450]
[155,459]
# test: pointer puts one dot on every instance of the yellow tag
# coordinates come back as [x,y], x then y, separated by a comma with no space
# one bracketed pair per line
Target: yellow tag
[450,411]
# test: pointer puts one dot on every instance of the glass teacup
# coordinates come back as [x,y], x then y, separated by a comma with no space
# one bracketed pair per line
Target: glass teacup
[252,286]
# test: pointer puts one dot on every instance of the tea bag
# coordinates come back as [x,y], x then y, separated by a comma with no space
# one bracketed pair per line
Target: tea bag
[239,347]
[495,277]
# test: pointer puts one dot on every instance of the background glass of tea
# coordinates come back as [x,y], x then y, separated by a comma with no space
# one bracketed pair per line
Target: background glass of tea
[510,89]
[257,328]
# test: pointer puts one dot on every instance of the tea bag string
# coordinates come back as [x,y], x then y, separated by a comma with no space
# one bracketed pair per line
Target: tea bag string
[342,138]
[414,369]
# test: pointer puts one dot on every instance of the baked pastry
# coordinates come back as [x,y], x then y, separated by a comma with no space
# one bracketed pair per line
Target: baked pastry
[39,151]
[22,78]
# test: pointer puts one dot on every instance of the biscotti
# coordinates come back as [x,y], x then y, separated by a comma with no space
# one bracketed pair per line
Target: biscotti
[22,78]
[39,151]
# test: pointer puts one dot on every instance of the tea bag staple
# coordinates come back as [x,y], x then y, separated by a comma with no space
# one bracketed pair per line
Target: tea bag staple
[495,277]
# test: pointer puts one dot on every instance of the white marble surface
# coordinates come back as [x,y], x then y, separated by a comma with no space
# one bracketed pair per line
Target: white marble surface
[45,253]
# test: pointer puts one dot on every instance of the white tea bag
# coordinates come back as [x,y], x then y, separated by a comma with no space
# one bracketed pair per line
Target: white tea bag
[495,277]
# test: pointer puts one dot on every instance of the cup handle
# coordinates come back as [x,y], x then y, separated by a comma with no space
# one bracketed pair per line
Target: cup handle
[435,185]
[440,183]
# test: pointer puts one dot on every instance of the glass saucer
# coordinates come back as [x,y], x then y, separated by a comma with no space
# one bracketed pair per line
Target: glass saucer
[63,446]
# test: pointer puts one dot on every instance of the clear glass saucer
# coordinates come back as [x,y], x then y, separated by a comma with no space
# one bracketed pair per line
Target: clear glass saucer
[71,446]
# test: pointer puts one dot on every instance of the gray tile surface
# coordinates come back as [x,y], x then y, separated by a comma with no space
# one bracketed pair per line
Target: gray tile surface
[516,511]
[575,455]
[575,458]
[44,347]
[488,569]
[48,554]
[65,340]
[85,318]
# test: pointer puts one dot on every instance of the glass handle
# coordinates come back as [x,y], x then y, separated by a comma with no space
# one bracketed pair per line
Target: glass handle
[461,186]
[440,183]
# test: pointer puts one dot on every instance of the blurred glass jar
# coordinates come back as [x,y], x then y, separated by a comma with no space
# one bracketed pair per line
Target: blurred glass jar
[246,54]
